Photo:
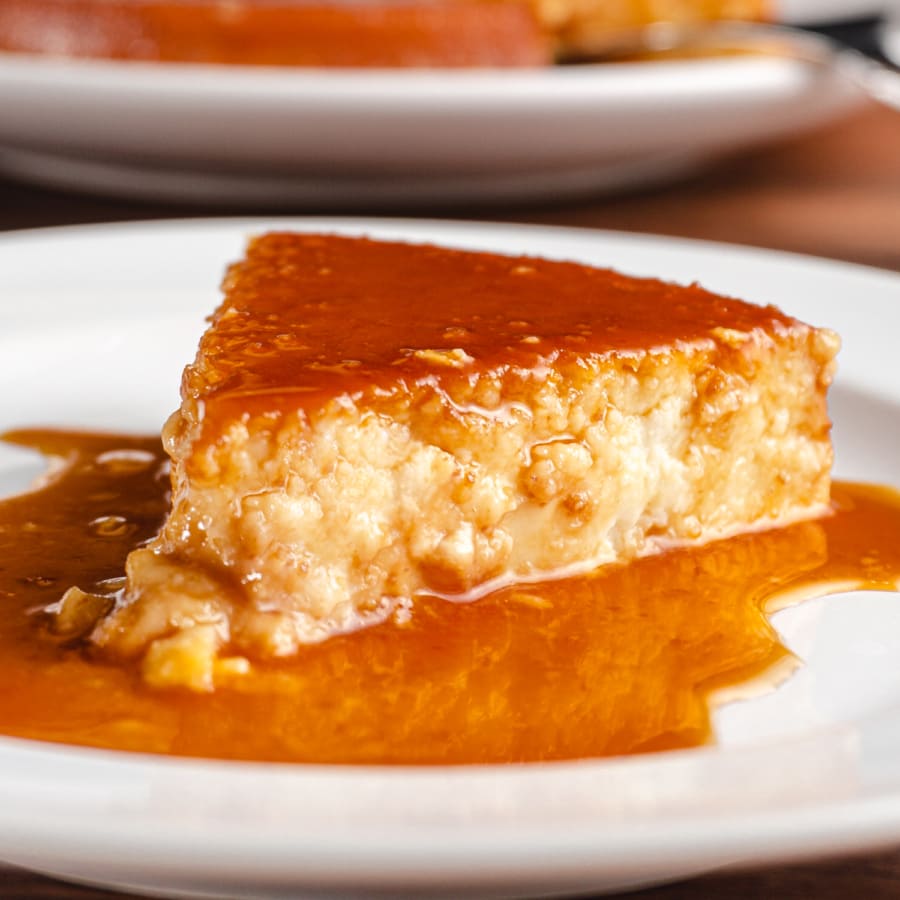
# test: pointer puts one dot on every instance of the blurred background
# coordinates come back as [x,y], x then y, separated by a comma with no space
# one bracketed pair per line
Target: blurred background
[732,139]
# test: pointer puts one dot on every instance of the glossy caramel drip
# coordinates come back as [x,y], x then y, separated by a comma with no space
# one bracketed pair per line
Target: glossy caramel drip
[622,661]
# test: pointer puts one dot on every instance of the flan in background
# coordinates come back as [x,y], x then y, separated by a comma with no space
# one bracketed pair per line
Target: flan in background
[341,33]
[145,100]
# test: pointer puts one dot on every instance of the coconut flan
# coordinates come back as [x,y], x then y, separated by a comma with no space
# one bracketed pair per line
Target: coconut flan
[369,421]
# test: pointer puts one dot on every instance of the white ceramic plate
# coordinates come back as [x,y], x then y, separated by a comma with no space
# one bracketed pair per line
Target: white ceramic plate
[342,139]
[97,323]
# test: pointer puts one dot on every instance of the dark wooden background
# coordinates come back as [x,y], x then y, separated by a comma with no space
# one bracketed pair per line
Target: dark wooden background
[835,193]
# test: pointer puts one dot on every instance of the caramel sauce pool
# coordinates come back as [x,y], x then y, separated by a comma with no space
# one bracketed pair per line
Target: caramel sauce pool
[625,660]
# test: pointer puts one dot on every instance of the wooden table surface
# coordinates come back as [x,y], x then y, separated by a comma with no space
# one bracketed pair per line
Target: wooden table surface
[835,193]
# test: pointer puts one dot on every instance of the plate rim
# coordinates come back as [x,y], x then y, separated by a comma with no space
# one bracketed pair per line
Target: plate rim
[750,252]
[336,127]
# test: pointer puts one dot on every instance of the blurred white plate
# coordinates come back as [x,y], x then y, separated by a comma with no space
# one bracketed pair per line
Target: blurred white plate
[97,325]
[345,139]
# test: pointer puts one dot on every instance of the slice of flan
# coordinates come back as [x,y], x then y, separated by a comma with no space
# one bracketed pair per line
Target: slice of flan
[318,33]
[368,421]
[343,33]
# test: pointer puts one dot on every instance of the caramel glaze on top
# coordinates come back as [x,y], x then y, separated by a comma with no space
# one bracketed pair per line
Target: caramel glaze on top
[308,317]
[624,660]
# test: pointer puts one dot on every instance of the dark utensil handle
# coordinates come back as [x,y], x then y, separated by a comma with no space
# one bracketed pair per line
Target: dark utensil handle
[862,35]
